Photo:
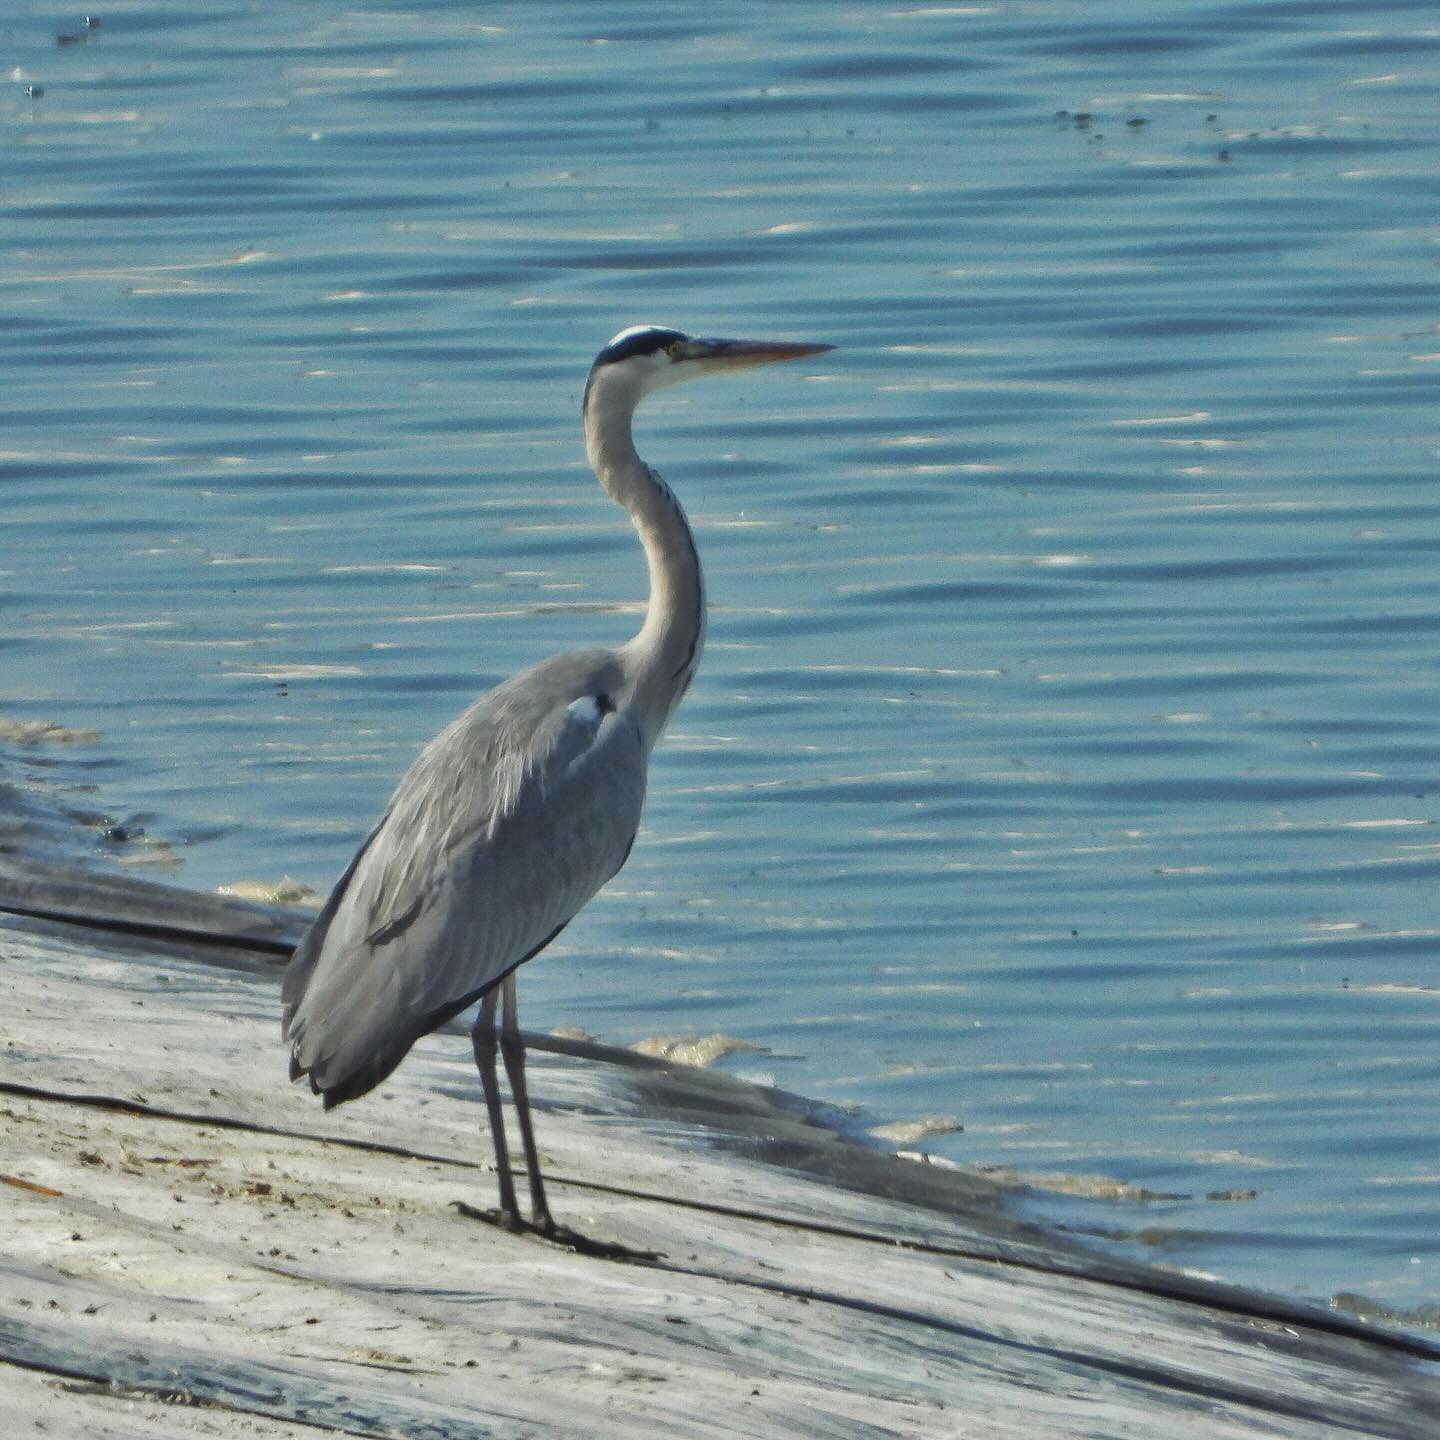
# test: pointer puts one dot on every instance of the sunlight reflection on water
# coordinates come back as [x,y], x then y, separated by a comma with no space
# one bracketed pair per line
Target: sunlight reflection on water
[1063,758]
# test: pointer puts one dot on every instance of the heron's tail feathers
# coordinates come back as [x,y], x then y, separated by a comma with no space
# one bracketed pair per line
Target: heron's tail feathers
[345,1053]
[339,1064]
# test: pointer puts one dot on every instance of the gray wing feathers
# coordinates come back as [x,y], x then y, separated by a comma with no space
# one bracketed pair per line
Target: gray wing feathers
[507,823]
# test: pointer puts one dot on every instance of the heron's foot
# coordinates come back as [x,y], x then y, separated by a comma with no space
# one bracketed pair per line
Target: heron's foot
[561,1235]
[501,1219]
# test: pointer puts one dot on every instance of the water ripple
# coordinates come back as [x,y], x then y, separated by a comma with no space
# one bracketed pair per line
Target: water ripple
[1063,755]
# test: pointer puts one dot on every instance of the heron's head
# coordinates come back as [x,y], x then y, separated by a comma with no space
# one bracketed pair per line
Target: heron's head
[646,358]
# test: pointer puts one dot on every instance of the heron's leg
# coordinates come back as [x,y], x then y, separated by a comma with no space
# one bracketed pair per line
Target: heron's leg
[512,1048]
[482,1037]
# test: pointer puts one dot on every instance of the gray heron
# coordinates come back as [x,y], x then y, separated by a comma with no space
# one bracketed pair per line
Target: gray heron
[521,809]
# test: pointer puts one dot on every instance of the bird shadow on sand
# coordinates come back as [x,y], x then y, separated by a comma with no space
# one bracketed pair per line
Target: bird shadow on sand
[560,1235]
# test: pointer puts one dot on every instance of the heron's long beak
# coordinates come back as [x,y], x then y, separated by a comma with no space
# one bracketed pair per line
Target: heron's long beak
[740,354]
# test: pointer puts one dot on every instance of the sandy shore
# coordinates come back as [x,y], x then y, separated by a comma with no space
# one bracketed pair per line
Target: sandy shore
[192,1247]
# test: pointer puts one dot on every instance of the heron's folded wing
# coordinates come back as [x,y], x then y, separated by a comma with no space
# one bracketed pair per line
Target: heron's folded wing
[504,827]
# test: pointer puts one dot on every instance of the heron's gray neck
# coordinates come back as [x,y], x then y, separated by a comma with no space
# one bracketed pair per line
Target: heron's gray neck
[666,652]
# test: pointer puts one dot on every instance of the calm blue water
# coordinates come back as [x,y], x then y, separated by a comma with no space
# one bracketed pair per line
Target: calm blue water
[1064,760]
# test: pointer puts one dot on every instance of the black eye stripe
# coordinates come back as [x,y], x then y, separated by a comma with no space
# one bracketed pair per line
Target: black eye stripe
[638,342]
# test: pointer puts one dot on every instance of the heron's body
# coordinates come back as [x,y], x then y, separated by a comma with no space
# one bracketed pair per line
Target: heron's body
[522,808]
[440,903]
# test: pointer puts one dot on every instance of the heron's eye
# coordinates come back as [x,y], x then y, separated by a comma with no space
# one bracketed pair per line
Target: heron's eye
[673,349]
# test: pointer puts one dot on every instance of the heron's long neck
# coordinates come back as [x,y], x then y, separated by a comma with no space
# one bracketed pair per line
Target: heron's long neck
[667,649]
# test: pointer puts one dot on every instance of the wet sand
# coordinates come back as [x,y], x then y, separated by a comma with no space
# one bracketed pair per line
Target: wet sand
[192,1247]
